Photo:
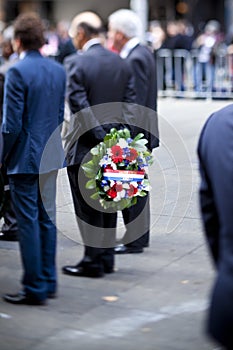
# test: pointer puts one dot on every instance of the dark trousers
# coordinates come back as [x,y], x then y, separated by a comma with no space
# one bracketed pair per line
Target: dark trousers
[97,228]
[34,198]
[10,226]
[137,223]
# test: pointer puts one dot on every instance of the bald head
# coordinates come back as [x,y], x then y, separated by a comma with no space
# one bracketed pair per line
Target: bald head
[88,18]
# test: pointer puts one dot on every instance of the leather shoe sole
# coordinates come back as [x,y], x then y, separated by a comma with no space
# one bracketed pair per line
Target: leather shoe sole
[109,270]
[22,299]
[9,237]
[52,295]
[122,249]
[81,272]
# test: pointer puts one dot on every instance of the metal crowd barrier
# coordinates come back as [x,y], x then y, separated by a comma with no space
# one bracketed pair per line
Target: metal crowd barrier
[181,75]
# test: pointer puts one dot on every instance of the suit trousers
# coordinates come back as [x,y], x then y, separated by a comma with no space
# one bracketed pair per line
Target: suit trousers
[137,222]
[34,199]
[97,228]
[9,226]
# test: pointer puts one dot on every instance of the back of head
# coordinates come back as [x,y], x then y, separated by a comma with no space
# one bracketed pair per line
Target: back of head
[87,19]
[212,27]
[29,29]
[127,22]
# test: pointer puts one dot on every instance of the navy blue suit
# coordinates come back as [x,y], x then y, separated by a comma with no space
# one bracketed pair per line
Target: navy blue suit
[33,109]
[215,152]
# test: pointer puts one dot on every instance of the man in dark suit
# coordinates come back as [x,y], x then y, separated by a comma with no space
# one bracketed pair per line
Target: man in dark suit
[33,109]
[215,152]
[95,76]
[124,31]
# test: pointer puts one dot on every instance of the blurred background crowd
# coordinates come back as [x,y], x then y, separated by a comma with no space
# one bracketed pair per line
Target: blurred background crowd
[192,40]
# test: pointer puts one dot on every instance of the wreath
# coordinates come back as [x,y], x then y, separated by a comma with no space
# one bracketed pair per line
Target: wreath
[118,170]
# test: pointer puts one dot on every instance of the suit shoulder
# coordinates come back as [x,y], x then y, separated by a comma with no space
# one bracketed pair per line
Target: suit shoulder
[222,115]
[142,53]
[70,58]
[219,124]
[143,50]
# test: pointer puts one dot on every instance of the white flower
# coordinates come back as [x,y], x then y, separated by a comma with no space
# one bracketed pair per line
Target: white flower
[122,143]
[109,151]
[112,183]
[126,185]
[105,161]
[146,185]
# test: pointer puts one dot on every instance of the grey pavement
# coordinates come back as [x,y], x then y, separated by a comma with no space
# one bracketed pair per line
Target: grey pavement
[154,301]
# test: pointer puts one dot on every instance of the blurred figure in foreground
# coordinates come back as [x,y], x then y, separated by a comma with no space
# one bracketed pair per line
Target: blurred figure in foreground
[33,109]
[215,152]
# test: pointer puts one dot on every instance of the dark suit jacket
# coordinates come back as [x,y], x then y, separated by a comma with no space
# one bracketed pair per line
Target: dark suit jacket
[215,152]
[96,77]
[142,63]
[31,114]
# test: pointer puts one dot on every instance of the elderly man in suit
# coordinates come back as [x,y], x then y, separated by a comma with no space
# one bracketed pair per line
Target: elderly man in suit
[215,152]
[94,76]
[125,29]
[33,109]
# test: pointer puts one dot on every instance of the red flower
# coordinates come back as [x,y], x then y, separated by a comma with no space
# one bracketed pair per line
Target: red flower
[132,154]
[117,154]
[108,167]
[112,192]
[119,187]
[132,191]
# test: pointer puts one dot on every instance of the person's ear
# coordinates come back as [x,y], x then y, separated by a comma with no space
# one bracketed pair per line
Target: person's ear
[17,45]
[81,34]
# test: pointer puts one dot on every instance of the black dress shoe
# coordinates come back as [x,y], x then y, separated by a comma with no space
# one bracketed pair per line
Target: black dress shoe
[123,249]
[8,236]
[146,245]
[22,299]
[52,295]
[108,269]
[80,271]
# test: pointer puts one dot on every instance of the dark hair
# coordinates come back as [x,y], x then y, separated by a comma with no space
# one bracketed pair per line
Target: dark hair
[29,29]
[89,30]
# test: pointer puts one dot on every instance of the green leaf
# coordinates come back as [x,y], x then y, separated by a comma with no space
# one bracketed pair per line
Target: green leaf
[140,145]
[89,169]
[91,184]
[127,133]
[95,196]
[142,194]
[95,151]
[138,137]
[99,175]
[133,201]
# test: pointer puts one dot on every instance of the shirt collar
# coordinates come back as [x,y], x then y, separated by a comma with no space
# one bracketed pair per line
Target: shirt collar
[129,46]
[22,55]
[90,43]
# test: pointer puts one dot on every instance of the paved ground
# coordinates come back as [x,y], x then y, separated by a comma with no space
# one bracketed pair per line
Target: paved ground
[154,301]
